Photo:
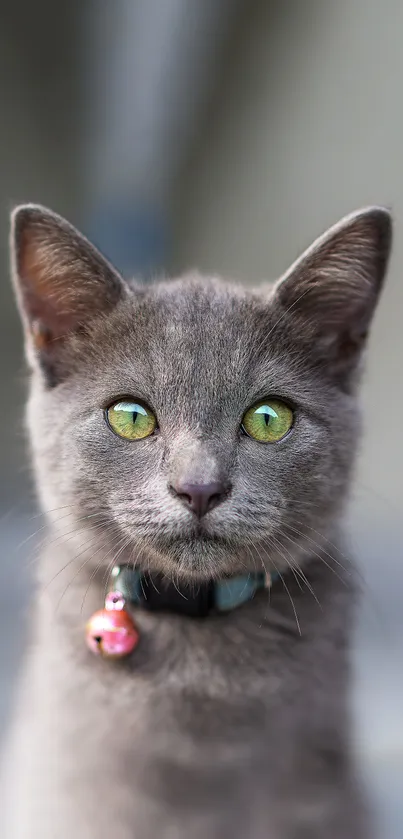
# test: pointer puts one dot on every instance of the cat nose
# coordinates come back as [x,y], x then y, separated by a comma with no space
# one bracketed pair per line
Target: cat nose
[200,498]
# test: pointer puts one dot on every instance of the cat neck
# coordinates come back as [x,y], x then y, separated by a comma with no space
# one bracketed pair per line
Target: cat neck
[75,583]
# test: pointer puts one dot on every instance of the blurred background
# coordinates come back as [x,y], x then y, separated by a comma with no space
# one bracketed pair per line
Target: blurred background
[224,135]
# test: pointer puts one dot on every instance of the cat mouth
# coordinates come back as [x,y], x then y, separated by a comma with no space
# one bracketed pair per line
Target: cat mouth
[195,539]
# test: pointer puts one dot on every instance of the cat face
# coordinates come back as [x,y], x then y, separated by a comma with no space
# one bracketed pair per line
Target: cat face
[196,427]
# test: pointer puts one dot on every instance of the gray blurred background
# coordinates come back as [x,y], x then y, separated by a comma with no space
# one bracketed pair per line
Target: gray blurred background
[226,135]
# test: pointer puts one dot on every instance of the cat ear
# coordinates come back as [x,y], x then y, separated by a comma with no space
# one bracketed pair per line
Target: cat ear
[330,293]
[62,282]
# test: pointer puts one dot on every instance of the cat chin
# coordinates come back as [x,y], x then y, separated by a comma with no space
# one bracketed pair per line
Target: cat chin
[195,560]
[214,558]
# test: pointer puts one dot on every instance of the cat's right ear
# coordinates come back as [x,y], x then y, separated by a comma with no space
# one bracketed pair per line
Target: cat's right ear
[62,283]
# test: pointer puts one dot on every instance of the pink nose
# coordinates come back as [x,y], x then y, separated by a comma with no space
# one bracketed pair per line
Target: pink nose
[200,498]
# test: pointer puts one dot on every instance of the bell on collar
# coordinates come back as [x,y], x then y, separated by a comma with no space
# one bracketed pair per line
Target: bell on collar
[111,632]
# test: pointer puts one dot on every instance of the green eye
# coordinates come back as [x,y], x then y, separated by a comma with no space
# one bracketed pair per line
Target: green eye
[269,421]
[131,420]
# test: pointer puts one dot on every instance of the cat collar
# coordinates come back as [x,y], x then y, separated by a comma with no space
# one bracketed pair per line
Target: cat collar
[112,632]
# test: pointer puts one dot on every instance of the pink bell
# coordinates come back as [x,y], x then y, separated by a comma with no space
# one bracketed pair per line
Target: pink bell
[111,632]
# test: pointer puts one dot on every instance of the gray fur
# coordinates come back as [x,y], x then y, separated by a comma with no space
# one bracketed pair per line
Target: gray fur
[235,726]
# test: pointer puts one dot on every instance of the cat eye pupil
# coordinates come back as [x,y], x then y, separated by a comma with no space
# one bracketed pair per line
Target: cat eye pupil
[266,412]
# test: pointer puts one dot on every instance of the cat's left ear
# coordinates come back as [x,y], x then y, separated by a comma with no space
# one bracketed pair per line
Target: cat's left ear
[329,295]
[62,284]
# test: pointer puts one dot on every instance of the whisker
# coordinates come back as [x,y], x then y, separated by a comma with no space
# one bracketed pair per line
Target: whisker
[319,556]
[296,569]
[78,572]
[298,532]
[290,598]
[285,587]
[87,544]
[48,524]
[64,538]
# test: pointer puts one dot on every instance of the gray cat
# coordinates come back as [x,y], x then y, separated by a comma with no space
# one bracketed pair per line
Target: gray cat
[198,432]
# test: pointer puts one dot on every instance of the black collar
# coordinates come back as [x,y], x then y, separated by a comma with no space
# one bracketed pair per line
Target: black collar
[156,593]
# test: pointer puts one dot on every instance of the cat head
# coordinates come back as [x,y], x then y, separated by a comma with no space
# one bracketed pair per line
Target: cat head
[194,425]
